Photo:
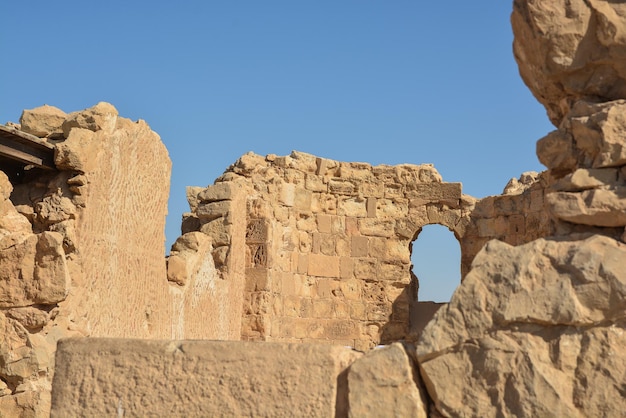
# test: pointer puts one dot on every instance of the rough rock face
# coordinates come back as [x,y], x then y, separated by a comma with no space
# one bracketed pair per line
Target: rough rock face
[534,330]
[571,50]
[43,121]
[385,382]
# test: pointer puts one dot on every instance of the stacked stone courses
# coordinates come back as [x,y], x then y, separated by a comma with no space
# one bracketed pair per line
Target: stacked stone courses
[328,243]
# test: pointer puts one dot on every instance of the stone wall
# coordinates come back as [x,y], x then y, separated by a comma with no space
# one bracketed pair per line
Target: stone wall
[82,250]
[328,243]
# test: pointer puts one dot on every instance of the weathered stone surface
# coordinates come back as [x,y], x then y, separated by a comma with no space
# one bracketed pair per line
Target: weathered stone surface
[31,403]
[33,270]
[596,207]
[42,121]
[385,383]
[584,179]
[198,378]
[78,152]
[568,50]
[102,116]
[521,332]
[590,136]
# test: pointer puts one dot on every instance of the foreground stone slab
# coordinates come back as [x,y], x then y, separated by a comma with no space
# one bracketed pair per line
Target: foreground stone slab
[124,377]
[535,330]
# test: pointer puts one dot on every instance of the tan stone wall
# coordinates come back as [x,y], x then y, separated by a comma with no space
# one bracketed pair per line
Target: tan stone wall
[516,217]
[327,243]
[81,248]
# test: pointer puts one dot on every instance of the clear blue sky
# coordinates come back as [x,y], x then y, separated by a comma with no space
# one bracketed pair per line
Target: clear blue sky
[382,82]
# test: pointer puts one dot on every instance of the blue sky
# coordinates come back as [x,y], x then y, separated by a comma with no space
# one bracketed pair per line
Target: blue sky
[381,82]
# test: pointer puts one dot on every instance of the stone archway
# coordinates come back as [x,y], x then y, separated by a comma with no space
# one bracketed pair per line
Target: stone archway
[422,308]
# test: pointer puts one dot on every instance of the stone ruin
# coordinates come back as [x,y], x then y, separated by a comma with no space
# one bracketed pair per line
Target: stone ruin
[297,266]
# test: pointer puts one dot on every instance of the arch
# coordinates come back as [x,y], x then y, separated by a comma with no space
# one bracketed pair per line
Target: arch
[436,263]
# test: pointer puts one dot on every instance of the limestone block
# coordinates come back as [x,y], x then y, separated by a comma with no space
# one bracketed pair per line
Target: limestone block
[537,321]
[597,207]
[302,199]
[434,192]
[224,190]
[287,194]
[376,227]
[42,121]
[323,265]
[315,183]
[365,268]
[387,208]
[78,152]
[212,210]
[324,223]
[219,231]
[587,178]
[342,187]
[383,383]
[102,116]
[359,246]
[199,378]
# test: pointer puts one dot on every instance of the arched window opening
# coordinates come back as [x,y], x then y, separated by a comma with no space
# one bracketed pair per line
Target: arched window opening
[436,258]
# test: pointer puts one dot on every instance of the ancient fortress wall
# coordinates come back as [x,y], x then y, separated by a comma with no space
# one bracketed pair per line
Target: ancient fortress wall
[328,243]
[82,251]
[303,249]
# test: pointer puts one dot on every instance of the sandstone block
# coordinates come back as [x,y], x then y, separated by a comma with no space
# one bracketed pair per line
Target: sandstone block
[434,192]
[323,266]
[376,227]
[597,207]
[342,187]
[514,326]
[587,178]
[384,383]
[102,116]
[191,378]
[78,152]
[33,270]
[352,207]
[213,210]
[324,223]
[287,194]
[224,190]
[42,121]
[359,246]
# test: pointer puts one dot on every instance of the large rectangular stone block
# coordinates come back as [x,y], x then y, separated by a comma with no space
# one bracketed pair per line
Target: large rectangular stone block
[323,265]
[121,377]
